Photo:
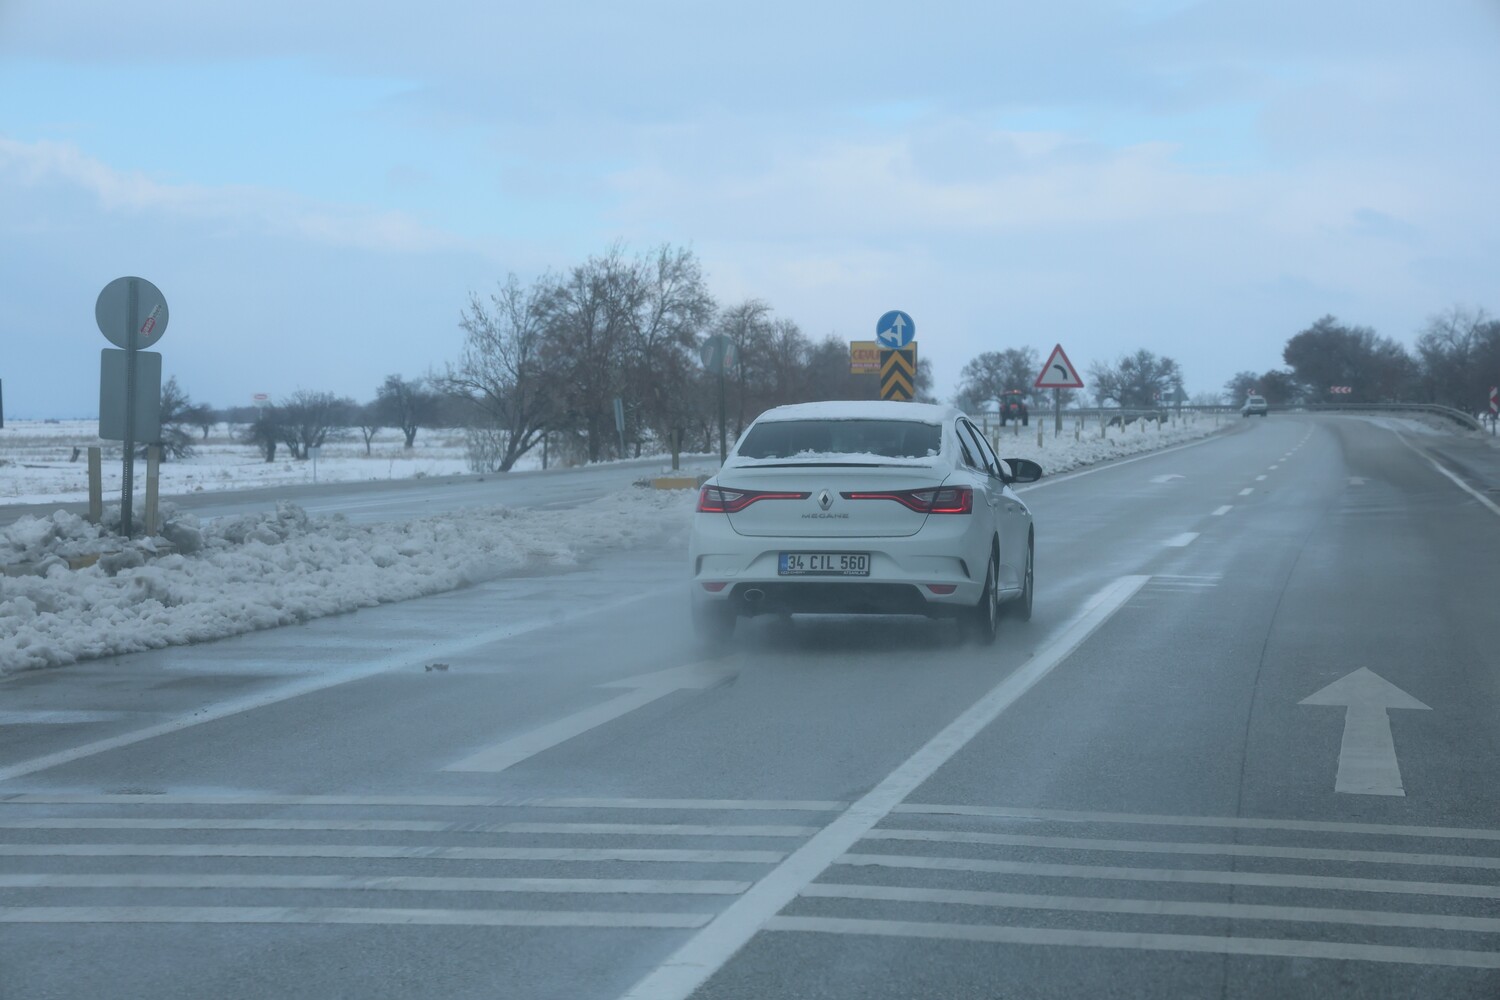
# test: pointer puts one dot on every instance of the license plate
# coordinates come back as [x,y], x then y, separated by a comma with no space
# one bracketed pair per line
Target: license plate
[824,564]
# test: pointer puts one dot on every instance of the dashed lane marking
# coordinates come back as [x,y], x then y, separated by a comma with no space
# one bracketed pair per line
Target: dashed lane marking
[707,950]
[1223,510]
[308,685]
[1181,541]
[1247,491]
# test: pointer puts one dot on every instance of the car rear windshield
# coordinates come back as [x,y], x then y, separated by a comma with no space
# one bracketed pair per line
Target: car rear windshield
[831,438]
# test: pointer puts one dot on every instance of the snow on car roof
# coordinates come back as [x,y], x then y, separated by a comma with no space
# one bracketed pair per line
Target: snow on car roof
[862,409]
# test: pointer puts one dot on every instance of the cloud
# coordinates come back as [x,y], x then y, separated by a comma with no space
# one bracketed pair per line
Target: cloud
[248,208]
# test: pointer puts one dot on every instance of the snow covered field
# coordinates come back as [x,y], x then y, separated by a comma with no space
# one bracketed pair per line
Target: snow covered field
[238,574]
[37,464]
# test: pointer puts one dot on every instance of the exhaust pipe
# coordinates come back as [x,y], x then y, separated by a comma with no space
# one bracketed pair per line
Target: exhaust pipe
[754,596]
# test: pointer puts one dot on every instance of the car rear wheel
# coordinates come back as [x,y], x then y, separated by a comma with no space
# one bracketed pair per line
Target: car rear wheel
[713,623]
[1020,608]
[982,621]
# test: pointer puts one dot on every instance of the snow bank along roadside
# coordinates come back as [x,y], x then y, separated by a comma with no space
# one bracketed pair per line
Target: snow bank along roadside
[1057,455]
[240,574]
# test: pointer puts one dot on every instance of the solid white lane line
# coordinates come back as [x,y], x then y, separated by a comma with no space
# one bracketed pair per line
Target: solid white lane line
[409,826]
[369,851]
[383,883]
[1186,876]
[1247,491]
[1486,501]
[1182,540]
[342,915]
[1154,907]
[422,801]
[1066,476]
[1257,947]
[307,685]
[1211,822]
[707,951]
[1196,849]
[1223,510]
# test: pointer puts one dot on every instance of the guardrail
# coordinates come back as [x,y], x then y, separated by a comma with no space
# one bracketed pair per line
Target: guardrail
[1093,414]
[1457,416]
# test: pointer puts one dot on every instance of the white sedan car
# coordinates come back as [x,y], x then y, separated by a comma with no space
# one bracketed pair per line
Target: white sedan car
[863,507]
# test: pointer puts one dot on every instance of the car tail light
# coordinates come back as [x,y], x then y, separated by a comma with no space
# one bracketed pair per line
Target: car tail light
[931,500]
[942,589]
[723,500]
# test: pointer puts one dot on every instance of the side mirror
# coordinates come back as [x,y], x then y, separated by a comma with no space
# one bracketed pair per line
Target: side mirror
[1023,470]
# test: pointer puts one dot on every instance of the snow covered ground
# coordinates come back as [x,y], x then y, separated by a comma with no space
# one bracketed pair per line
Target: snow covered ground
[37,463]
[238,574]
[1057,454]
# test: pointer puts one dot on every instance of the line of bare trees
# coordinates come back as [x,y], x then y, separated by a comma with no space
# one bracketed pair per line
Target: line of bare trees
[544,361]
[1457,359]
[308,419]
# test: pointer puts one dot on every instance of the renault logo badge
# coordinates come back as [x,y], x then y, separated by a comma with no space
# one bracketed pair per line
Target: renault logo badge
[825,500]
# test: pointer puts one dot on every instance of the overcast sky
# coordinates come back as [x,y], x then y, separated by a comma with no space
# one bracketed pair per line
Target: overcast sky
[316,187]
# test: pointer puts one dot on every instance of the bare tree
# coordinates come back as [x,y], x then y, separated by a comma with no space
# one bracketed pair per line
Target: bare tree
[368,417]
[406,404]
[1460,354]
[264,431]
[178,412]
[308,419]
[503,372]
[1140,381]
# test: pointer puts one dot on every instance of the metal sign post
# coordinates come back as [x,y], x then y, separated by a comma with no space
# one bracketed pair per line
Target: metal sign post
[118,311]
[718,354]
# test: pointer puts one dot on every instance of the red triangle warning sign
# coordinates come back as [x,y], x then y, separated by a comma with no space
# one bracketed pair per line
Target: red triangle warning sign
[1058,372]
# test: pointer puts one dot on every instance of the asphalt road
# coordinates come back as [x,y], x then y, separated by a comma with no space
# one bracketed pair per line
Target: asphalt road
[403,499]
[1136,794]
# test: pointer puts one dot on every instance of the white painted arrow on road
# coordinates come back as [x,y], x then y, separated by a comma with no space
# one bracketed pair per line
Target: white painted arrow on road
[1367,757]
[1167,478]
[643,690]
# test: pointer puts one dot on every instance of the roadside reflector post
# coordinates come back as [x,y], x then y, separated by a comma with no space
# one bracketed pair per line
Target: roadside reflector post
[96,484]
[1038,437]
[153,476]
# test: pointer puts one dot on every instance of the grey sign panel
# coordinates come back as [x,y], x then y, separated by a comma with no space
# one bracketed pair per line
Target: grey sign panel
[112,312]
[147,395]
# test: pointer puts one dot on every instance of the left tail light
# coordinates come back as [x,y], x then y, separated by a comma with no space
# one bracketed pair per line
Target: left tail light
[722,500]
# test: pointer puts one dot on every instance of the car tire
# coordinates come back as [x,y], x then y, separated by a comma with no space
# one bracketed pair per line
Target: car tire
[982,621]
[713,623]
[1020,607]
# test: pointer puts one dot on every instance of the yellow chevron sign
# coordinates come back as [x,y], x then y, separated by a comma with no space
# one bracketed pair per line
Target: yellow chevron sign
[898,373]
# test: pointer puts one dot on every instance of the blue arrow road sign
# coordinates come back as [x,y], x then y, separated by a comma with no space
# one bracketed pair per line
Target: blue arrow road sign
[895,329]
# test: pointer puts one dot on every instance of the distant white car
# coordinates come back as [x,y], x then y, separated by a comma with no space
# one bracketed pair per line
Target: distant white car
[1254,406]
[863,507]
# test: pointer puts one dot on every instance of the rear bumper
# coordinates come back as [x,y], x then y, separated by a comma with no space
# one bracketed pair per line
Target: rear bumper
[742,571]
[849,597]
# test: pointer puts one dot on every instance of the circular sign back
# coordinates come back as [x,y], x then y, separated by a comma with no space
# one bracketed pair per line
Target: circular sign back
[112,312]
